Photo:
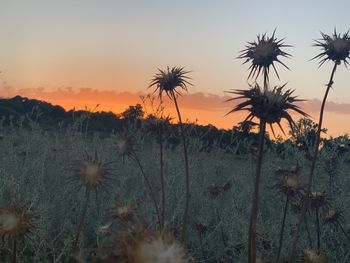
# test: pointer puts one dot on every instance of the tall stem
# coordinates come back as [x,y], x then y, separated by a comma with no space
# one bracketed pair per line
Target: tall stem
[308,232]
[311,175]
[318,229]
[77,235]
[254,211]
[282,229]
[153,196]
[14,251]
[162,178]
[343,230]
[187,175]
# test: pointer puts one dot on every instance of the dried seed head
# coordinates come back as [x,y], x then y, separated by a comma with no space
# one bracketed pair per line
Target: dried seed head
[261,260]
[264,53]
[289,184]
[15,223]
[335,48]
[156,248]
[269,105]
[312,256]
[318,199]
[123,212]
[125,145]
[333,216]
[168,80]
[91,172]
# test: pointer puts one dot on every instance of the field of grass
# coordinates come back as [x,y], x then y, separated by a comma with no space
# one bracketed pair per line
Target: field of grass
[36,166]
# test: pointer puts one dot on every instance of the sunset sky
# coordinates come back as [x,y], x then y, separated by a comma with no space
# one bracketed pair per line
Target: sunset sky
[84,52]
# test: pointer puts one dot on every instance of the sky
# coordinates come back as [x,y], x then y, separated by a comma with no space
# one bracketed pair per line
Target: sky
[81,53]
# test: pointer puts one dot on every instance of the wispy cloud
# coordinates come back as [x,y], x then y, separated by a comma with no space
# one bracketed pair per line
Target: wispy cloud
[195,101]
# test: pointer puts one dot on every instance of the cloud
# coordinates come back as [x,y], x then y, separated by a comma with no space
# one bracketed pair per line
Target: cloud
[190,101]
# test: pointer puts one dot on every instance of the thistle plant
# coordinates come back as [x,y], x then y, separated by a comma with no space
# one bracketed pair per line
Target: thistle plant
[289,184]
[335,48]
[92,174]
[169,81]
[126,148]
[270,106]
[262,54]
[335,217]
[15,224]
[160,127]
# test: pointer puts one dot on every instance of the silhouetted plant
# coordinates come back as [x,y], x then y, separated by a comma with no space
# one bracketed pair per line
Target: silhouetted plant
[126,148]
[92,174]
[268,105]
[168,81]
[335,48]
[16,223]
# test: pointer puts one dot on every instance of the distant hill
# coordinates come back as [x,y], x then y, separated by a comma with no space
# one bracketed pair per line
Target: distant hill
[50,117]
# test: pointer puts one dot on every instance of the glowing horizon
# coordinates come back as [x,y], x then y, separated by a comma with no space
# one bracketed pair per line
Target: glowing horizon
[117,46]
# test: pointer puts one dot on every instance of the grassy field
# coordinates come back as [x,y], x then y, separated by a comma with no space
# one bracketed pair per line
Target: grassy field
[36,166]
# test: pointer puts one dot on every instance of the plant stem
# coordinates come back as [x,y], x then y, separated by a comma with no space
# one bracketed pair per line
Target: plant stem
[221,228]
[14,251]
[282,229]
[254,211]
[162,179]
[186,211]
[318,229]
[153,196]
[343,230]
[311,175]
[77,235]
[308,232]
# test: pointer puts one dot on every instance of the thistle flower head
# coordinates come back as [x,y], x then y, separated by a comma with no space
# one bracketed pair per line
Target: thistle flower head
[318,199]
[261,260]
[334,47]
[157,248]
[312,256]
[15,223]
[269,105]
[263,53]
[289,184]
[91,172]
[333,216]
[125,145]
[123,212]
[169,80]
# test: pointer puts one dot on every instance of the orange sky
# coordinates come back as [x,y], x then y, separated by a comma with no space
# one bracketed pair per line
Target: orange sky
[108,51]
[205,108]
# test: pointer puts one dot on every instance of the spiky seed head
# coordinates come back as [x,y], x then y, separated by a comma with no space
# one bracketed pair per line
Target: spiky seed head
[261,260]
[263,53]
[92,172]
[318,199]
[158,125]
[15,223]
[312,256]
[157,248]
[333,216]
[334,47]
[269,105]
[169,80]
[125,145]
[289,184]
[123,212]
